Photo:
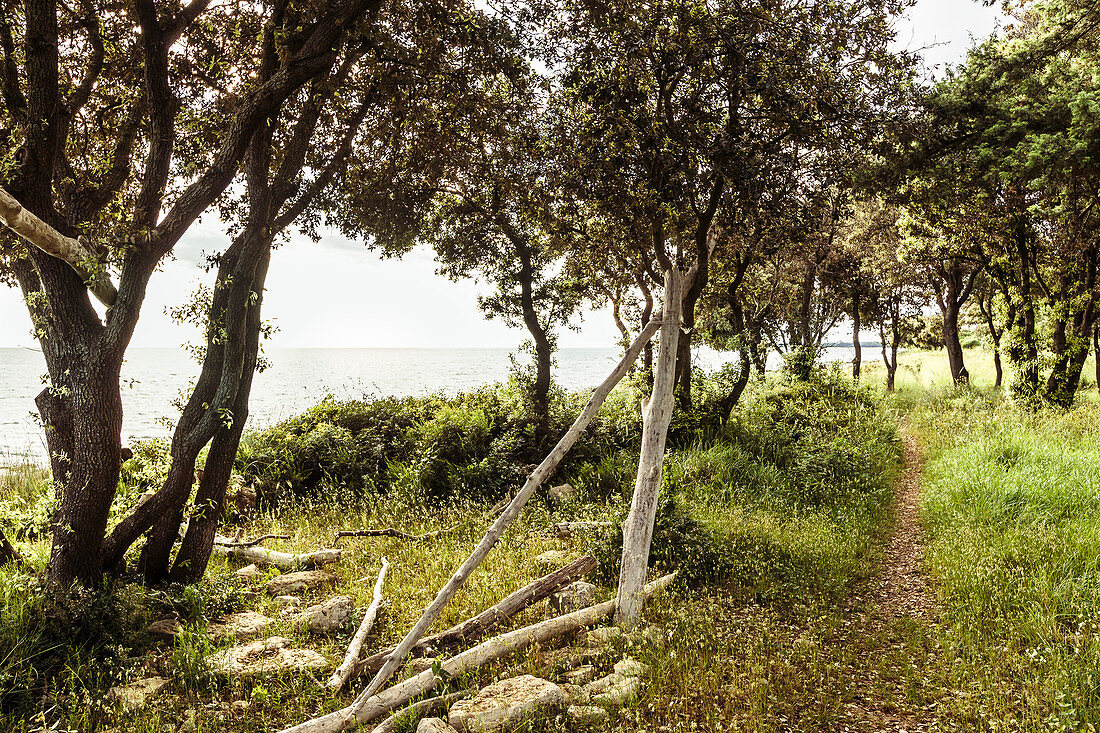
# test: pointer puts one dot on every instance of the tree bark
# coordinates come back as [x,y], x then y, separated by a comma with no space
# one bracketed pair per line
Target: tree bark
[8,553]
[638,529]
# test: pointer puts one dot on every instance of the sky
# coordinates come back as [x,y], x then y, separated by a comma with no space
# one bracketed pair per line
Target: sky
[337,294]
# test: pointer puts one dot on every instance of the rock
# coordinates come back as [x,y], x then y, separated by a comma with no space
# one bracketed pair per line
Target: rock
[167,629]
[240,707]
[587,716]
[581,675]
[242,499]
[573,693]
[189,725]
[287,601]
[572,597]
[291,584]
[603,635]
[629,667]
[250,572]
[562,494]
[570,657]
[241,626]
[136,695]
[502,705]
[328,616]
[553,560]
[613,690]
[266,657]
[433,725]
[654,635]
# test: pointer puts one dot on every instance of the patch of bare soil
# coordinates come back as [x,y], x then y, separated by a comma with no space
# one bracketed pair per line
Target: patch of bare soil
[893,682]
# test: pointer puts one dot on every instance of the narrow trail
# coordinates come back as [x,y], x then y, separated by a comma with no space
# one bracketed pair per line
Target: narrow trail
[903,588]
[890,627]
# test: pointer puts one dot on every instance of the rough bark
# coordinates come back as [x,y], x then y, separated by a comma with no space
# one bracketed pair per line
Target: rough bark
[496,531]
[8,553]
[638,529]
[340,677]
[368,708]
[475,629]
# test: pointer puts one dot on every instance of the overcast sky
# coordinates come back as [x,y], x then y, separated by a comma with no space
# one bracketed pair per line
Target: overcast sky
[337,294]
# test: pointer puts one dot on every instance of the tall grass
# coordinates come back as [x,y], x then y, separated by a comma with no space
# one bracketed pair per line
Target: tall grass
[1012,505]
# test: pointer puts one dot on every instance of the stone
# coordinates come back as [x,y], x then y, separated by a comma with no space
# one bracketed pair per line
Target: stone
[291,584]
[249,572]
[553,560]
[613,690]
[629,667]
[654,635]
[167,629]
[271,656]
[136,695]
[573,693]
[570,657]
[433,725]
[240,707]
[241,626]
[603,635]
[502,705]
[581,675]
[562,494]
[287,601]
[587,716]
[572,597]
[328,616]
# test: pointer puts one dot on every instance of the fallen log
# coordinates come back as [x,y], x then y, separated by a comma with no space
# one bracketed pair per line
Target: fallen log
[419,709]
[283,560]
[567,530]
[545,469]
[476,628]
[343,672]
[366,710]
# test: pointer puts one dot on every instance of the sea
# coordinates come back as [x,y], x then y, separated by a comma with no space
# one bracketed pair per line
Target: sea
[156,381]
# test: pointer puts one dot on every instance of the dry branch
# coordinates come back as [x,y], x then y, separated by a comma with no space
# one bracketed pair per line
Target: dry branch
[389,532]
[364,710]
[475,628]
[52,242]
[496,531]
[419,709]
[226,542]
[341,675]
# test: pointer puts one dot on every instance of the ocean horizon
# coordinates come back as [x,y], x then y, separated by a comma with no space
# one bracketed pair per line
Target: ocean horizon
[156,380]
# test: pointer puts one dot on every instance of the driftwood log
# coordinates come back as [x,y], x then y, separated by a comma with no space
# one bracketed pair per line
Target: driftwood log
[369,709]
[476,628]
[343,672]
[283,560]
[226,542]
[496,530]
[419,709]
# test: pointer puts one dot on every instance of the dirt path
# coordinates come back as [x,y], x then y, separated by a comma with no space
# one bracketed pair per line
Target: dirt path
[890,628]
[903,588]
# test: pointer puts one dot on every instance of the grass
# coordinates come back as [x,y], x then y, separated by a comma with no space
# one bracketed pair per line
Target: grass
[779,522]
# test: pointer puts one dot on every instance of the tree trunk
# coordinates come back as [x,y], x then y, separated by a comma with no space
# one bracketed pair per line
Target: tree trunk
[1096,353]
[543,348]
[638,529]
[8,553]
[857,347]
[951,339]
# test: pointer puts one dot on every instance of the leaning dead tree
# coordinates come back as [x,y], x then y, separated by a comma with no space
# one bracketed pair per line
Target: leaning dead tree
[511,512]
